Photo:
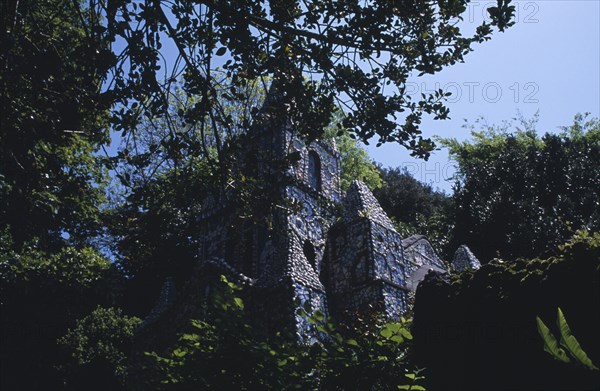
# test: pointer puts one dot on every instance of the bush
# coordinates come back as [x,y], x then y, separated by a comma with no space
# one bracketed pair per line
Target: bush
[96,350]
[225,352]
[478,330]
[41,296]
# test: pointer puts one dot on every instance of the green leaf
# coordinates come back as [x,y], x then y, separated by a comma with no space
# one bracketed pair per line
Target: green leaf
[397,338]
[318,315]
[391,329]
[338,338]
[386,333]
[405,333]
[239,302]
[569,342]
[411,387]
[190,337]
[352,342]
[550,343]
[221,51]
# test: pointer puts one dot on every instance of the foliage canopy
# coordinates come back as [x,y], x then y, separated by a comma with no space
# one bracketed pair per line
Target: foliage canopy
[358,54]
[53,119]
[519,195]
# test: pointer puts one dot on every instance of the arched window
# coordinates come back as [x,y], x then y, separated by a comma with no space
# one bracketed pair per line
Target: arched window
[314,171]
[310,254]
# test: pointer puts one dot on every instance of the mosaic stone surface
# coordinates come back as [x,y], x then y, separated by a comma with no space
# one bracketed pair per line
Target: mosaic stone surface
[420,258]
[366,262]
[464,260]
[332,252]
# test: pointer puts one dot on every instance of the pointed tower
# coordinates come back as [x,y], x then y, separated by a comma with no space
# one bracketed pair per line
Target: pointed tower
[464,259]
[365,259]
[284,254]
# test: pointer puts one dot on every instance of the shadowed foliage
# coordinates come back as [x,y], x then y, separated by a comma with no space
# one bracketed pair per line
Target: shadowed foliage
[478,330]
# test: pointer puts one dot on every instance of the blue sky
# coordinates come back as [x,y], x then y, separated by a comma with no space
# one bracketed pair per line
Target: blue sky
[548,61]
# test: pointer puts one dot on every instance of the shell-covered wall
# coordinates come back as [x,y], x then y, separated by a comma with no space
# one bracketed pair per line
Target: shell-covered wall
[330,167]
[366,262]
[318,251]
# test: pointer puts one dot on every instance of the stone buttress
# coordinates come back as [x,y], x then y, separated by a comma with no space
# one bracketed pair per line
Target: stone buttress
[366,270]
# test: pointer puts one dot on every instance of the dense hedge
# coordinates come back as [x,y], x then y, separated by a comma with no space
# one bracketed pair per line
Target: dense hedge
[478,330]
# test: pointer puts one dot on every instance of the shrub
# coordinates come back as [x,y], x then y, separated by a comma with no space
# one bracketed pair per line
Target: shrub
[96,350]
[225,352]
